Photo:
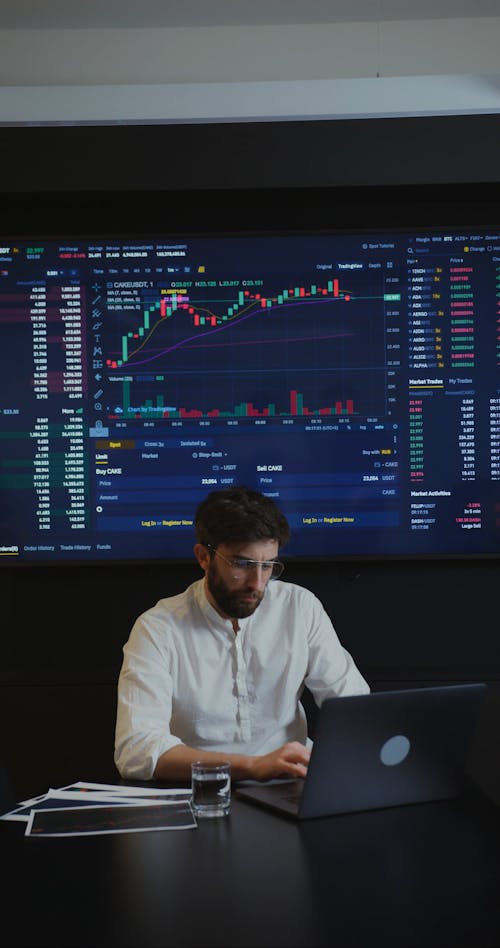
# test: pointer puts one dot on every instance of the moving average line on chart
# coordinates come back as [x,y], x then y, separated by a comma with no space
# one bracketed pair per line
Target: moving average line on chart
[306,334]
[202,317]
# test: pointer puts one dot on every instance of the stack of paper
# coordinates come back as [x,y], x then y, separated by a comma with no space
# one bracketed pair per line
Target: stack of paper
[82,809]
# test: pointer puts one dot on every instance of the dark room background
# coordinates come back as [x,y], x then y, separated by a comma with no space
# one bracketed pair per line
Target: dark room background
[406,622]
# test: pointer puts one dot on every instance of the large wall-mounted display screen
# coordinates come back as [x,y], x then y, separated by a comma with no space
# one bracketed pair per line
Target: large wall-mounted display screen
[353,376]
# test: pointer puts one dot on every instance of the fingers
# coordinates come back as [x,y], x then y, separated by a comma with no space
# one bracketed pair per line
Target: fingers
[290,760]
[298,749]
[295,758]
[294,769]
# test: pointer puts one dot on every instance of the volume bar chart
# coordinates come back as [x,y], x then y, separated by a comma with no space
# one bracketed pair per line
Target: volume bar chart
[245,409]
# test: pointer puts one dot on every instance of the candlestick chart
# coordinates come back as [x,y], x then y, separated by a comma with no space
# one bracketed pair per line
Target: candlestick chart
[225,351]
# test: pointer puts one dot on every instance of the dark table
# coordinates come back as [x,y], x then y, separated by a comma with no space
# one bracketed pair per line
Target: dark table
[421,875]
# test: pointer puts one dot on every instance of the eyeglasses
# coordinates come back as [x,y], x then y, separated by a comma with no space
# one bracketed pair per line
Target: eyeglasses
[271,569]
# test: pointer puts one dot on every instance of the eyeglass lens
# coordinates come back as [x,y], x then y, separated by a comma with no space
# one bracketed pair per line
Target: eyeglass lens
[271,568]
[268,568]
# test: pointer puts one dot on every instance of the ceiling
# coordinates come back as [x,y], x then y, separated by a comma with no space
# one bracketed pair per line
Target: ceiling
[133,14]
[167,61]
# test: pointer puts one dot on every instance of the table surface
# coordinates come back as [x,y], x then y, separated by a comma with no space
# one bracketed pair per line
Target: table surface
[421,875]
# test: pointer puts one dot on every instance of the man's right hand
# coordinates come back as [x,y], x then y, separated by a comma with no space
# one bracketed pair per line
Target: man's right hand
[290,760]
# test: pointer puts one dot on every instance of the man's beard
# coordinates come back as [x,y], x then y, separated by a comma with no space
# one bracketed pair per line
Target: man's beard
[230,602]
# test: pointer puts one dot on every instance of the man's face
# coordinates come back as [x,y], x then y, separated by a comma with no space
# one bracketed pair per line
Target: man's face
[236,592]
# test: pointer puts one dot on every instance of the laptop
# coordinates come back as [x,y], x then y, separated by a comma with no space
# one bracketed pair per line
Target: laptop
[383,749]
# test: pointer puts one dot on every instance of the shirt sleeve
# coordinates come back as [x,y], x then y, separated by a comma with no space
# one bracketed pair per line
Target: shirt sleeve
[331,671]
[144,701]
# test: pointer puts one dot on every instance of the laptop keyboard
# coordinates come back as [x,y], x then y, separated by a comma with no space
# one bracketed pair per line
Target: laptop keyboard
[295,795]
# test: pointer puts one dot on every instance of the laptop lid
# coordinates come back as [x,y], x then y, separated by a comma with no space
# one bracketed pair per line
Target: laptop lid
[387,748]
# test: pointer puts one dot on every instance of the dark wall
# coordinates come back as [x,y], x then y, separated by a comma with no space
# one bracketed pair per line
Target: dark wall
[448,149]
[405,622]
[64,629]
[401,620]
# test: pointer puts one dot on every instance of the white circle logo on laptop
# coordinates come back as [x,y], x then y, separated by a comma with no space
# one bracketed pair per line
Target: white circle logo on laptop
[394,750]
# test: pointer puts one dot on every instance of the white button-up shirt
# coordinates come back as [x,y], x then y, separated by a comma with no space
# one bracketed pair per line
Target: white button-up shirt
[188,678]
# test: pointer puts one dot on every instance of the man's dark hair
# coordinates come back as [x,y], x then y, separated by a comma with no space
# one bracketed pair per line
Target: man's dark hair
[239,515]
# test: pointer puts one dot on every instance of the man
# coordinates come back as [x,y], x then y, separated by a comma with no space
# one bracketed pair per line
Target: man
[216,672]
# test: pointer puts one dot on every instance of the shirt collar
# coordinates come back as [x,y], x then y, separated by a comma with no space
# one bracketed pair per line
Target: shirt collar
[212,615]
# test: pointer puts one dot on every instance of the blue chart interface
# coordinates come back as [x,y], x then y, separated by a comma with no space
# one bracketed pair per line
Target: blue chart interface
[353,378]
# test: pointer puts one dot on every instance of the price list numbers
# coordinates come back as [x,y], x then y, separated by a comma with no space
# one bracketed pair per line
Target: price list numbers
[41,473]
[58,357]
[58,435]
[429,302]
[462,318]
[416,440]
[495,439]
[60,478]
[38,318]
[467,439]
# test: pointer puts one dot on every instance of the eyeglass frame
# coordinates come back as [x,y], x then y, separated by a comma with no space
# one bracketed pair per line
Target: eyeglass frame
[245,564]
